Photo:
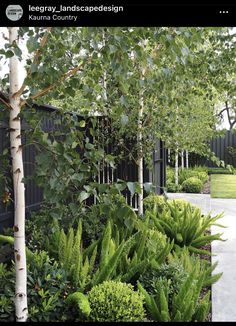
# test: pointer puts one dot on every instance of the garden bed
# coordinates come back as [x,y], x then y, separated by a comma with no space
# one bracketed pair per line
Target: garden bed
[207,186]
[156,255]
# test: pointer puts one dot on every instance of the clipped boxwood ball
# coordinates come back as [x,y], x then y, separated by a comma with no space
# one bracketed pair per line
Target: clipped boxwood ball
[115,301]
[192,184]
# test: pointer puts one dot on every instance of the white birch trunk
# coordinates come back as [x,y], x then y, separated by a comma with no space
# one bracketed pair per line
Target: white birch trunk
[104,76]
[176,167]
[21,309]
[187,165]
[182,160]
[140,153]
[168,155]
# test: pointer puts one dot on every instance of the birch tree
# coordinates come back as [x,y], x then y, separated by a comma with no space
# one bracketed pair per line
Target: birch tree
[140,148]
[21,308]
[18,97]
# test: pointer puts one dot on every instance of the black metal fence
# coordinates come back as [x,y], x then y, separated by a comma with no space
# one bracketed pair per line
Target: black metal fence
[224,148]
[126,170]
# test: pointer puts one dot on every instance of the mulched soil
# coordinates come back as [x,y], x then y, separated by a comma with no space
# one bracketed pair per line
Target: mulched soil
[207,187]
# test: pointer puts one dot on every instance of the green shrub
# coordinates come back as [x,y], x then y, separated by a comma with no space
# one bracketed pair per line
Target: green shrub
[94,219]
[93,224]
[94,264]
[115,302]
[48,286]
[185,174]
[81,303]
[111,257]
[203,176]
[170,174]
[184,305]
[154,203]
[192,185]
[172,187]
[200,168]
[179,203]
[111,207]
[193,262]
[219,171]
[198,172]
[186,225]
[7,308]
[173,273]
[41,225]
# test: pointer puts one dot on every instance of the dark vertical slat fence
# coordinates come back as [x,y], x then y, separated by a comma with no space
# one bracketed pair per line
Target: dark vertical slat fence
[159,159]
[219,146]
[126,170]
[5,210]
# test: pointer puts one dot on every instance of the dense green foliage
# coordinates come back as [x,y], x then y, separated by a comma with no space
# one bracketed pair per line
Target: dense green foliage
[48,286]
[199,173]
[185,174]
[173,274]
[172,187]
[80,301]
[153,251]
[185,224]
[192,263]
[192,184]
[111,206]
[7,293]
[185,304]
[154,203]
[115,301]
[177,74]
[219,171]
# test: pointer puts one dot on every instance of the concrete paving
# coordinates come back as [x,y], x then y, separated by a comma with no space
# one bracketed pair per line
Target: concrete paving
[224,291]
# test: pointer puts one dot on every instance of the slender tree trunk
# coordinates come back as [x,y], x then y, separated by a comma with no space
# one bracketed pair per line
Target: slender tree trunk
[140,162]
[187,165]
[182,160]
[105,72]
[168,155]
[176,167]
[140,151]
[21,308]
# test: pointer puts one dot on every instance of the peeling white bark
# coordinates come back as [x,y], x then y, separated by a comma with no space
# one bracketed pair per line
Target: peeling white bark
[187,164]
[140,153]
[182,160]
[168,155]
[21,308]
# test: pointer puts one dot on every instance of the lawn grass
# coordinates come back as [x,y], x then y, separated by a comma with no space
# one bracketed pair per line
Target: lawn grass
[223,186]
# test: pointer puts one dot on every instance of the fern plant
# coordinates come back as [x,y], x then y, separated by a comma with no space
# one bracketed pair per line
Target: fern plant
[186,226]
[110,257]
[185,305]
[193,262]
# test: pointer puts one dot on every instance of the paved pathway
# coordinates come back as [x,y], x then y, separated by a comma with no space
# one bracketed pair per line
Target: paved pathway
[224,291]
